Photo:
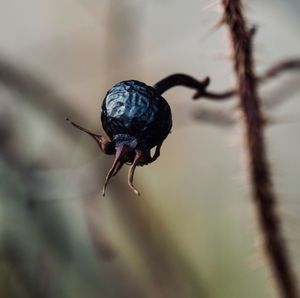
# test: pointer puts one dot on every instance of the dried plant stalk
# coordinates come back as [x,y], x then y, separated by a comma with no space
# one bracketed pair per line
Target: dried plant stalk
[261,180]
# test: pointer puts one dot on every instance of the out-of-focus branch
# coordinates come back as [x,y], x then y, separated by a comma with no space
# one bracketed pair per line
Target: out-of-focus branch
[280,67]
[216,116]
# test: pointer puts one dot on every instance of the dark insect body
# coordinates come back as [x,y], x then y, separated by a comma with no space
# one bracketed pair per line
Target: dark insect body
[133,109]
[137,118]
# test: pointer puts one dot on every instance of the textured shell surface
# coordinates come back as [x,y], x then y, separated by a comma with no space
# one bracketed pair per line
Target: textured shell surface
[132,107]
[130,100]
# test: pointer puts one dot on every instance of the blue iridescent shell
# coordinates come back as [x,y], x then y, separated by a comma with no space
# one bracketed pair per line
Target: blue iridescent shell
[135,109]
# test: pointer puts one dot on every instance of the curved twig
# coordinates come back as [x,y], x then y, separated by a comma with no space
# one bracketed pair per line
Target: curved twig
[201,86]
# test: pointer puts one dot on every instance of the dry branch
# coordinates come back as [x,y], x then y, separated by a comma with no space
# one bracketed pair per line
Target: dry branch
[260,175]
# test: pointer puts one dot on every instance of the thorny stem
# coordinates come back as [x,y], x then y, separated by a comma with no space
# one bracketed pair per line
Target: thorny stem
[261,180]
[201,86]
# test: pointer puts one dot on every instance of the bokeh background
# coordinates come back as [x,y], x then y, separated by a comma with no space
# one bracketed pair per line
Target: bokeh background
[192,233]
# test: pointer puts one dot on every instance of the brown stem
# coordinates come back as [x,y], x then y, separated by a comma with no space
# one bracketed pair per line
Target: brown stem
[180,79]
[201,86]
[263,193]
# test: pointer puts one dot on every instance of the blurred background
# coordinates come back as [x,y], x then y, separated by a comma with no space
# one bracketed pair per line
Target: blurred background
[192,232]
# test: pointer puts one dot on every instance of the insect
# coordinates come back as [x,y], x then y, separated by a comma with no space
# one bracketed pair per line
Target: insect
[136,119]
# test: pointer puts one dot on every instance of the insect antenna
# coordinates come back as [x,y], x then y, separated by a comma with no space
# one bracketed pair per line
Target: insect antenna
[93,135]
[101,141]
